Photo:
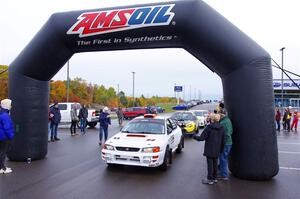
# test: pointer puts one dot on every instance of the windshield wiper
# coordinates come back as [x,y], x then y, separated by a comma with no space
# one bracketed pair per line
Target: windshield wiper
[126,132]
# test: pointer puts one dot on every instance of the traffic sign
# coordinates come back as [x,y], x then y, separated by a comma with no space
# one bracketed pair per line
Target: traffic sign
[178,88]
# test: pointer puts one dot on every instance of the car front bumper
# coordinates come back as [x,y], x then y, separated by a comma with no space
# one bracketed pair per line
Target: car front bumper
[133,158]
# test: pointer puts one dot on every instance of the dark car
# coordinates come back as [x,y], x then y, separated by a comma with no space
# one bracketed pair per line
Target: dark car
[181,107]
[156,109]
[133,112]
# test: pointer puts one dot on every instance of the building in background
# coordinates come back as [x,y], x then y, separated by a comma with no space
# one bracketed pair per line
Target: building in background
[291,93]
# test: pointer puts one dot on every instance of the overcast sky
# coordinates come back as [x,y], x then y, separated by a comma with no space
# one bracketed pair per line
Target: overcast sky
[271,23]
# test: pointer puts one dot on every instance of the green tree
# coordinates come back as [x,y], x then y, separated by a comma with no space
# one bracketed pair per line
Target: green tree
[3,82]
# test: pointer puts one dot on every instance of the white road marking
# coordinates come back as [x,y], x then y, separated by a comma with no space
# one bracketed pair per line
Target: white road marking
[289,152]
[290,168]
[289,143]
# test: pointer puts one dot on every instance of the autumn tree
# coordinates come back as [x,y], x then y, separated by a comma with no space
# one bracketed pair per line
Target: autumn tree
[3,82]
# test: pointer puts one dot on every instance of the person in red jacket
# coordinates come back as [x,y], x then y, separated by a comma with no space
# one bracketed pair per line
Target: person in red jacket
[278,118]
[295,120]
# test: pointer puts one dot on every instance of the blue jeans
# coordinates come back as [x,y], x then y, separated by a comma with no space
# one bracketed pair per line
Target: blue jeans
[82,125]
[103,130]
[53,128]
[224,161]
[278,125]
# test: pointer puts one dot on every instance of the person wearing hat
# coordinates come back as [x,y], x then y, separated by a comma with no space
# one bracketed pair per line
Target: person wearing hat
[223,159]
[214,137]
[6,134]
[55,118]
[105,121]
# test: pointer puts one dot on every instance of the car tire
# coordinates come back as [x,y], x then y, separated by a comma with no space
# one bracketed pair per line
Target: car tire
[167,160]
[92,124]
[110,166]
[180,145]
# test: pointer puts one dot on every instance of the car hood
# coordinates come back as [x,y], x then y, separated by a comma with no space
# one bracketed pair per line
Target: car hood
[136,140]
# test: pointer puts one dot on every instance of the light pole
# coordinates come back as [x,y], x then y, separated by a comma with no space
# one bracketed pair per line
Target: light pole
[133,73]
[68,81]
[282,49]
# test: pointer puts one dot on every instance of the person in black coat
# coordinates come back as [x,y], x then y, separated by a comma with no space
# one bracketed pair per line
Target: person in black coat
[83,115]
[55,118]
[105,121]
[214,137]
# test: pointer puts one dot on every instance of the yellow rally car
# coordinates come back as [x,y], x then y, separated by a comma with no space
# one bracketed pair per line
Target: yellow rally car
[187,121]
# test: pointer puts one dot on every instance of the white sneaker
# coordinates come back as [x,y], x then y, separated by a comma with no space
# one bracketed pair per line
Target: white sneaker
[5,171]
[7,168]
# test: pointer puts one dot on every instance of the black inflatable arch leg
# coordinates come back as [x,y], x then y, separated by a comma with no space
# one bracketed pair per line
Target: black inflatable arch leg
[249,99]
[30,116]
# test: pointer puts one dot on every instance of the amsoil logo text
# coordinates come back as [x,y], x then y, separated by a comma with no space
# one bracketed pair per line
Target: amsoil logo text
[101,22]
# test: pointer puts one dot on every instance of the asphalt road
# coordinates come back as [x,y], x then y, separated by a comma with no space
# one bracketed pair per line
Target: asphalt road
[73,169]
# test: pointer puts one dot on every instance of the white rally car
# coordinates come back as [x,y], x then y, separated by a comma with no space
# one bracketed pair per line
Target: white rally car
[147,141]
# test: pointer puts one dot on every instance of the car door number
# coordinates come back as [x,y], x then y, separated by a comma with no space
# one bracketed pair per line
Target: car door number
[172,139]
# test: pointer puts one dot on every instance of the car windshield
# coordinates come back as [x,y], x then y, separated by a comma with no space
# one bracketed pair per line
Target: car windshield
[198,113]
[184,116]
[145,125]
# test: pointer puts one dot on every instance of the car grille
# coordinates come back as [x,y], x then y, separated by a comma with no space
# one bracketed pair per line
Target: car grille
[133,158]
[131,149]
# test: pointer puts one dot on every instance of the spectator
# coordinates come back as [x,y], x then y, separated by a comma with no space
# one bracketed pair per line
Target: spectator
[83,115]
[284,118]
[295,120]
[55,118]
[214,137]
[223,160]
[6,134]
[278,118]
[105,121]
[288,119]
[74,120]
[120,116]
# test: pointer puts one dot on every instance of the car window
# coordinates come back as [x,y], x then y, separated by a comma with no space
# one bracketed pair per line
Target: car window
[145,125]
[169,126]
[173,123]
[62,107]
[198,113]
[182,116]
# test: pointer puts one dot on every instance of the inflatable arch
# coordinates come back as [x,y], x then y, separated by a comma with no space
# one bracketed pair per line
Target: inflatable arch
[244,67]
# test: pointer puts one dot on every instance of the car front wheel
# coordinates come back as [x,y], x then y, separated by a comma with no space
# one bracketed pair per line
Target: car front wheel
[180,146]
[167,160]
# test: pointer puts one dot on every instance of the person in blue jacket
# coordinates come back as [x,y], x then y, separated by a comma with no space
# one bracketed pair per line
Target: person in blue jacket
[6,134]
[105,121]
[55,118]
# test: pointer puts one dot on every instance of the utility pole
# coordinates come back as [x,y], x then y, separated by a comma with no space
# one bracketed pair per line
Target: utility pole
[282,49]
[133,73]
[68,81]
[118,90]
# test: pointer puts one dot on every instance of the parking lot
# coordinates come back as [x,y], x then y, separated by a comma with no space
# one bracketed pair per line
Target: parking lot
[73,169]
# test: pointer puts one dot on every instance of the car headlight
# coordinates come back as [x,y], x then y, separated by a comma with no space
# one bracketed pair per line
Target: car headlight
[151,149]
[109,147]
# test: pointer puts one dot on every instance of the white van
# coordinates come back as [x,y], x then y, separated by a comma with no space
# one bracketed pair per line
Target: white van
[65,111]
